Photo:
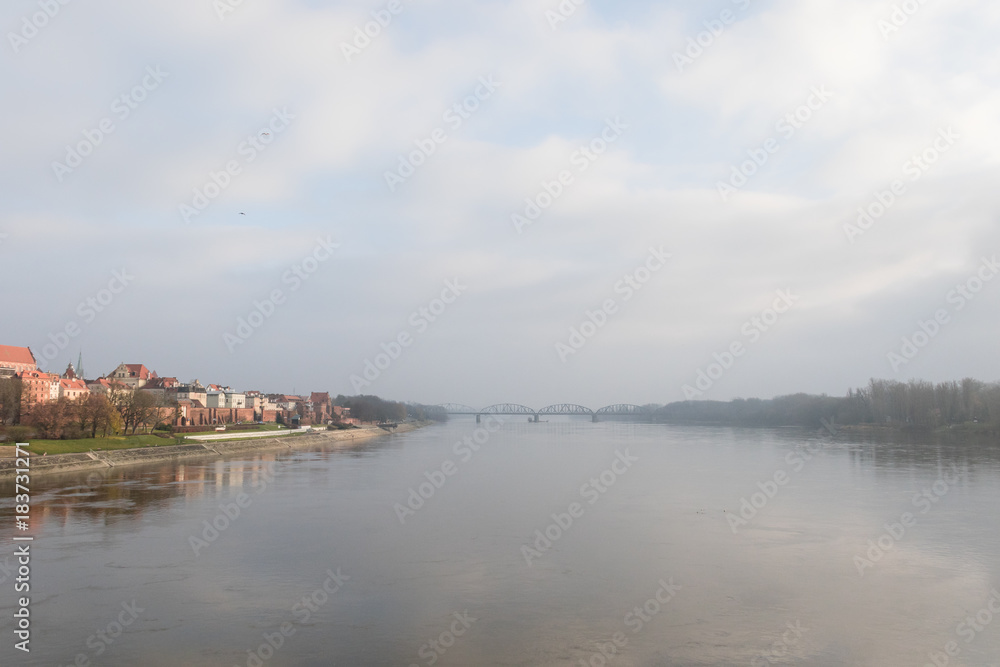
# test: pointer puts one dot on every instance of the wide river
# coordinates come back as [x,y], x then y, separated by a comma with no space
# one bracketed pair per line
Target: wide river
[557,543]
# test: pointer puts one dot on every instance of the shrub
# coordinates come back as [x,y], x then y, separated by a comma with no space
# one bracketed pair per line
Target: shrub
[19,433]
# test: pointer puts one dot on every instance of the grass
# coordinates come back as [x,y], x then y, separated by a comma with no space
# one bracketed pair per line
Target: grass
[134,441]
[86,444]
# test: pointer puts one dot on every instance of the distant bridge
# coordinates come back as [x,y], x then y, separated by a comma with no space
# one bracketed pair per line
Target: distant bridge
[617,410]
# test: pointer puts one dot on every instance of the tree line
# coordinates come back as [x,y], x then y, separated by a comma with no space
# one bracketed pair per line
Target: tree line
[374,409]
[916,403]
[117,412]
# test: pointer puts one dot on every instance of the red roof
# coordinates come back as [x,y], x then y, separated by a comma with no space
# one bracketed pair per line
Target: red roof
[16,355]
[41,375]
[138,370]
[320,397]
[73,384]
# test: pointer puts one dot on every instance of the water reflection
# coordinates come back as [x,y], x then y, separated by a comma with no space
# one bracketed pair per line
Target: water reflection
[317,514]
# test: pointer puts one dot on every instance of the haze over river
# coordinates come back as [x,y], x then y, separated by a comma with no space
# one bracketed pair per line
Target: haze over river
[640,540]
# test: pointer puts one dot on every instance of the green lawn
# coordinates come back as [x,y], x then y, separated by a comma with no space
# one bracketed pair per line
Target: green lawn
[132,441]
[86,444]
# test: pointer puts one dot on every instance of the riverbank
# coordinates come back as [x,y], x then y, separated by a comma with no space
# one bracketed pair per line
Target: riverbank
[92,460]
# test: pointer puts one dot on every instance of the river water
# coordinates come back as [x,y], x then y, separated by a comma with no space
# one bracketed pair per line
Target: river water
[558,543]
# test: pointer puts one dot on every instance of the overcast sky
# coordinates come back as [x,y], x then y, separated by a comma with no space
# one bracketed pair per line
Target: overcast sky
[822,104]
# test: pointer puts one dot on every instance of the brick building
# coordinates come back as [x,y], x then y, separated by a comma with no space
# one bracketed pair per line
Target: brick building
[38,387]
[16,360]
[321,407]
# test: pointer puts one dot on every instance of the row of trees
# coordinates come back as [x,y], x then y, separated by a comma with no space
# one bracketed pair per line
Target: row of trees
[118,411]
[372,408]
[922,403]
[887,402]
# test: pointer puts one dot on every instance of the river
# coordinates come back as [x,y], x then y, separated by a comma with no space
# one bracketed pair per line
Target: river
[557,543]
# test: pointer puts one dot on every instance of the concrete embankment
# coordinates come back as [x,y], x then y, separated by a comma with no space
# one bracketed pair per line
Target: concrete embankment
[233,448]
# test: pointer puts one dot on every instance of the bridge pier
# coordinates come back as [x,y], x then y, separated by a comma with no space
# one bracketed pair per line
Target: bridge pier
[535,419]
[479,419]
[594,418]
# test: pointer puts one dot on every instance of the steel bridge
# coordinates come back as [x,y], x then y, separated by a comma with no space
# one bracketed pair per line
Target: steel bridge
[617,410]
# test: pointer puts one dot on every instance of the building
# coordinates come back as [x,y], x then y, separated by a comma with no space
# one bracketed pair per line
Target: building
[38,387]
[235,400]
[104,386]
[163,388]
[191,414]
[286,402]
[321,407]
[16,360]
[132,375]
[264,408]
[73,389]
[218,396]
[193,392]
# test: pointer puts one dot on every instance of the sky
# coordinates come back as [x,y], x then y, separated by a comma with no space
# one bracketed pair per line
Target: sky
[528,201]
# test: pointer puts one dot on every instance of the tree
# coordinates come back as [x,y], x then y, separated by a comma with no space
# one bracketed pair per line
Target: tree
[50,419]
[10,400]
[99,414]
[123,399]
[145,410]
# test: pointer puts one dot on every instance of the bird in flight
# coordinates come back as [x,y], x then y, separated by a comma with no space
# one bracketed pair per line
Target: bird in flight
[242,213]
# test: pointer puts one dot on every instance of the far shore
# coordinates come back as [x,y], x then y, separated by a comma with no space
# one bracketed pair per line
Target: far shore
[63,463]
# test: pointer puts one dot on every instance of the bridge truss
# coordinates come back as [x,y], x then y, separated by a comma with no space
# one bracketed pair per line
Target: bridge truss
[565,409]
